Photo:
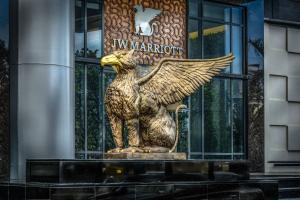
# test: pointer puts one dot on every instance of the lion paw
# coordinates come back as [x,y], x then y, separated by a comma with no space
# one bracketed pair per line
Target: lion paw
[132,150]
[115,150]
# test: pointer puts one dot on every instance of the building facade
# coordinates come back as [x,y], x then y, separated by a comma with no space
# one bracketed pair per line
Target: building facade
[52,91]
[282,108]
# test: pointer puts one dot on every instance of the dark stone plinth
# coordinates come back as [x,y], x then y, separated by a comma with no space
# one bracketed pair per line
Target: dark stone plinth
[146,156]
[134,171]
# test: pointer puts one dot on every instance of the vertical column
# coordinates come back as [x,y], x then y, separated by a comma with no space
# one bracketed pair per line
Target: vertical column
[43,105]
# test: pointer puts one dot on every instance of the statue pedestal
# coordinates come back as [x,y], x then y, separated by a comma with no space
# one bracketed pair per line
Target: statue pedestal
[146,156]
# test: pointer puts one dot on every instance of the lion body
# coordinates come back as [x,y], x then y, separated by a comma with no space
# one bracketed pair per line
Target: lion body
[148,123]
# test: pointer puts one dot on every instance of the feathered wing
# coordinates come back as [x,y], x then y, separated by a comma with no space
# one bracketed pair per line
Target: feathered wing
[151,13]
[174,79]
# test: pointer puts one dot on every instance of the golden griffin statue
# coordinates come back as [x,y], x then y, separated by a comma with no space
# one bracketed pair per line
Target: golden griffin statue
[141,102]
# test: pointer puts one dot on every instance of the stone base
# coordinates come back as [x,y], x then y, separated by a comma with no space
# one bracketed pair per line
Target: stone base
[146,156]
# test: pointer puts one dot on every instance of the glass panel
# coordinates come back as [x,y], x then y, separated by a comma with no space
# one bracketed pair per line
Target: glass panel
[237,15]
[196,122]
[94,28]
[194,43]
[183,123]
[79,28]
[194,8]
[239,157]
[196,156]
[238,116]
[109,143]
[237,46]
[79,156]
[4,23]
[94,155]
[216,11]
[216,40]
[79,107]
[94,133]
[217,127]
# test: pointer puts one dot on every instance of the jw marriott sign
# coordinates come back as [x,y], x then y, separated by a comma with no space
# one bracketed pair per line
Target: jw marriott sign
[146,47]
[154,29]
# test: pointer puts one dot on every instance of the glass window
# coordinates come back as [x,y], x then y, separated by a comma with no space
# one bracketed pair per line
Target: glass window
[237,116]
[79,28]
[217,110]
[108,77]
[196,122]
[88,28]
[194,8]
[237,49]
[79,107]
[89,91]
[217,127]
[194,42]
[216,40]
[216,11]
[94,32]
[237,15]
[94,123]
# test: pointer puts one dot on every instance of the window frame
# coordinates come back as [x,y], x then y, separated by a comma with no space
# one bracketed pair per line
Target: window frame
[243,76]
[86,59]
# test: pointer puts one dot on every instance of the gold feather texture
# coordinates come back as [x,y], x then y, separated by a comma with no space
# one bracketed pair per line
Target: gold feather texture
[174,79]
[141,103]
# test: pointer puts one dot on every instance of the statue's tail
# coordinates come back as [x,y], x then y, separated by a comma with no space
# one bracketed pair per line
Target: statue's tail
[152,28]
[182,106]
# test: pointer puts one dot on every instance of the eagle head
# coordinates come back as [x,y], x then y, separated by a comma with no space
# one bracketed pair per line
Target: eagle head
[121,61]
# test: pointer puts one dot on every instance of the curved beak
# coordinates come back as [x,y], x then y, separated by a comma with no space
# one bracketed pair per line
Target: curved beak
[110,60]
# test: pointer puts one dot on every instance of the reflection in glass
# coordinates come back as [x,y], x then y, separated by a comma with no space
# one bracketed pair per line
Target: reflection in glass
[194,8]
[237,116]
[237,15]
[94,32]
[237,38]
[216,11]
[79,28]
[194,43]
[217,127]
[196,122]
[79,107]
[216,41]
[183,123]
[94,133]
[108,77]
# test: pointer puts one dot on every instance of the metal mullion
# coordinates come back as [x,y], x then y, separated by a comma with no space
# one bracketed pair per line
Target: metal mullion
[231,40]
[231,119]
[102,28]
[85,109]
[189,127]
[99,107]
[103,113]
[230,81]
[88,60]
[245,83]
[202,87]
[85,28]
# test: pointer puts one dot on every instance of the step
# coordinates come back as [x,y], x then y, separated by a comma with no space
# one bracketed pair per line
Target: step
[146,171]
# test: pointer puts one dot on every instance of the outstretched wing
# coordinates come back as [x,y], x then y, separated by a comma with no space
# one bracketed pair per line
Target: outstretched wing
[150,13]
[174,79]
